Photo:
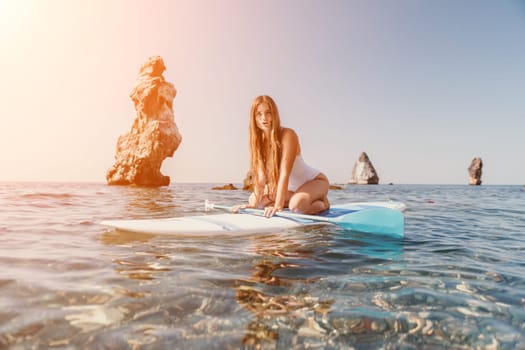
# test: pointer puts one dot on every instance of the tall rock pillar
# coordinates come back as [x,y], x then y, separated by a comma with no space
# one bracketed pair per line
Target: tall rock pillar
[364,172]
[474,171]
[154,135]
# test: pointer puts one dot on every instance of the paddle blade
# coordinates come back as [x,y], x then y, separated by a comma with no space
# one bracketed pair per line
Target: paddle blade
[383,221]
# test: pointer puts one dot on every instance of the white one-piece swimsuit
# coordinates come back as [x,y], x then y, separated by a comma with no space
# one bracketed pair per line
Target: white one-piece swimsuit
[300,174]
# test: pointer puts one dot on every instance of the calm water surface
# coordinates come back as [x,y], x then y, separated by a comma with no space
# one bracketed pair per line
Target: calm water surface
[456,281]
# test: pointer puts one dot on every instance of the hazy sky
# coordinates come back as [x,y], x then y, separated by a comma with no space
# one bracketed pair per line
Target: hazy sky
[422,86]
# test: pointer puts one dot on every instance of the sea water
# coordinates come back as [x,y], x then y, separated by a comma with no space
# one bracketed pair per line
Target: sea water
[457,280]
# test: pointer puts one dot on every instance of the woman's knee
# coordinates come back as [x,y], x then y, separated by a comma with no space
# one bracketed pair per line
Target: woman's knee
[299,203]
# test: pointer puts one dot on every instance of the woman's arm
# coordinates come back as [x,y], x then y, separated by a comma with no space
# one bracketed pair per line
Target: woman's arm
[290,149]
[256,200]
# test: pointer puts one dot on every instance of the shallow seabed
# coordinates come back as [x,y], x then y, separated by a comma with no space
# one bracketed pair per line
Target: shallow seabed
[457,281]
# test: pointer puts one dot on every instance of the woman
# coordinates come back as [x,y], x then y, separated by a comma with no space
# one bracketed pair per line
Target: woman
[280,176]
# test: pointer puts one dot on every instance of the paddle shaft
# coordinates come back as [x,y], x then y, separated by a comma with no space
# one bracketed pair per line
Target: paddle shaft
[284,214]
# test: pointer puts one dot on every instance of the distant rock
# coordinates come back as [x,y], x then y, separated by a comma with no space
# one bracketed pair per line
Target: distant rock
[364,172]
[154,135]
[248,182]
[474,171]
[225,187]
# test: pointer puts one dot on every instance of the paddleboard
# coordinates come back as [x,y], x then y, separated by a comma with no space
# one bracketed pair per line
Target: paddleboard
[239,224]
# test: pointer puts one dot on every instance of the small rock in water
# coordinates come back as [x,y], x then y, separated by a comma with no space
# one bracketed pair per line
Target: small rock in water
[364,172]
[225,187]
[474,171]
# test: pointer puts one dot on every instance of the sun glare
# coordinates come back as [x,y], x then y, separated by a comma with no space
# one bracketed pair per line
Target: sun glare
[14,16]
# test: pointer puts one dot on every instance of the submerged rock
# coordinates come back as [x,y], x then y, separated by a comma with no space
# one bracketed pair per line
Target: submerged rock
[474,171]
[364,172]
[154,135]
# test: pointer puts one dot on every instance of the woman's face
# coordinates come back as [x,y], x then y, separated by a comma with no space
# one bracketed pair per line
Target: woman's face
[264,117]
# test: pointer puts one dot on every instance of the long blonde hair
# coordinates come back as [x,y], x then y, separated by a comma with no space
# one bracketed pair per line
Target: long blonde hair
[265,154]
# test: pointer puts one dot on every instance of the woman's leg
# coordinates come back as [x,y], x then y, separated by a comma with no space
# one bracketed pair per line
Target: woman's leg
[311,197]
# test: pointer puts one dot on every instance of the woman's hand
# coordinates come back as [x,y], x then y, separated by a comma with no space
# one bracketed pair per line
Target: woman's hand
[271,210]
[237,208]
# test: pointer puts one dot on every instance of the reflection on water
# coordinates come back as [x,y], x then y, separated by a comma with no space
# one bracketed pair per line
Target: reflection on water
[276,296]
[117,237]
[371,246]
[139,270]
[149,202]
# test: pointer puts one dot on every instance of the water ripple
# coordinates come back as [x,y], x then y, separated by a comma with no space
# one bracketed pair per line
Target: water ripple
[456,281]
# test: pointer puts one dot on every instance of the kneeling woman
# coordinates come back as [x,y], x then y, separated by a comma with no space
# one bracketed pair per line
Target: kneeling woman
[280,176]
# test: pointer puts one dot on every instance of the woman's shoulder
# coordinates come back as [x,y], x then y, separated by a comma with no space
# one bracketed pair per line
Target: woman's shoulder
[289,136]
[288,132]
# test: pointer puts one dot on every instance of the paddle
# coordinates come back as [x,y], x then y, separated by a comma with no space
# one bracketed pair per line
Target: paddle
[378,220]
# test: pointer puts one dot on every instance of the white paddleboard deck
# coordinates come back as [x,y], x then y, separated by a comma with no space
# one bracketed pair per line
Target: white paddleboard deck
[234,224]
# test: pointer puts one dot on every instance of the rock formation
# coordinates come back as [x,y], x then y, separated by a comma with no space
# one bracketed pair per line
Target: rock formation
[474,171]
[227,187]
[364,172]
[154,135]
[248,182]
